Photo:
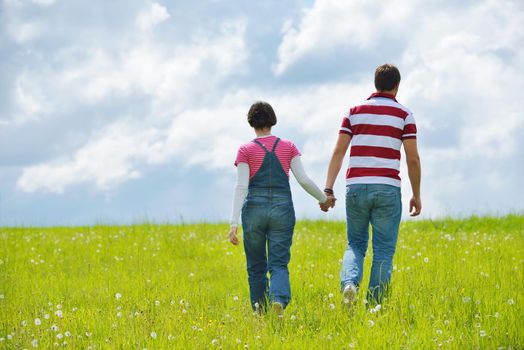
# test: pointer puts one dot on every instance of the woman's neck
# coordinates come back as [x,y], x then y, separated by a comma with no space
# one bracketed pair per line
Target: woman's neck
[263,132]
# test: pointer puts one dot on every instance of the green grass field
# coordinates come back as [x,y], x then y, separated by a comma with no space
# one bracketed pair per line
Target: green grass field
[456,284]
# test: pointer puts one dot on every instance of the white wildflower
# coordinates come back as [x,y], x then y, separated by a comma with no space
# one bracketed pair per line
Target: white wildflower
[153,334]
[118,296]
[38,322]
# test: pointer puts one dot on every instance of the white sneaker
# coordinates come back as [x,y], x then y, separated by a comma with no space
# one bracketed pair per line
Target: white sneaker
[278,308]
[349,294]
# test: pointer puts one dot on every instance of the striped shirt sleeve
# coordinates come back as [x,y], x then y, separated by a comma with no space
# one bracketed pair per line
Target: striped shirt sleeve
[241,156]
[410,128]
[293,151]
[345,128]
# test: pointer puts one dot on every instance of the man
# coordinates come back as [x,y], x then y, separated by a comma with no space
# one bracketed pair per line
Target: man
[376,129]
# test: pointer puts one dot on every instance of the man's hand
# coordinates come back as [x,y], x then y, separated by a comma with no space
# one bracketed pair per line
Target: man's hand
[330,203]
[233,235]
[415,206]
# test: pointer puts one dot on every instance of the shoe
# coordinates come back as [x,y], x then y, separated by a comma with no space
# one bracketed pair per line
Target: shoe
[278,308]
[349,294]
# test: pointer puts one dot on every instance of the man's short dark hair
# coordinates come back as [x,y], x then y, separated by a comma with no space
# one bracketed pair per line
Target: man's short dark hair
[261,115]
[387,77]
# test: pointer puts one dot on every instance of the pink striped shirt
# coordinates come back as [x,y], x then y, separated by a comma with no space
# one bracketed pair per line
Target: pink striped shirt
[252,154]
[378,128]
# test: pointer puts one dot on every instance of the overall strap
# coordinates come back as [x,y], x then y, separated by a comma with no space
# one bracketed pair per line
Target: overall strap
[261,145]
[275,145]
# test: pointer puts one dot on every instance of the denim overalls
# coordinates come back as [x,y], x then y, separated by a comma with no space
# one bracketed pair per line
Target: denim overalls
[268,217]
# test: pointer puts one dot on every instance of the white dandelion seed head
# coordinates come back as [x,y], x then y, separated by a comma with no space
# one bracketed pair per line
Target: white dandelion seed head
[371,323]
[59,335]
[118,296]
[58,306]
[59,313]
[184,311]
[34,343]
[438,331]
[67,334]
[466,299]
[119,314]
[235,298]
[482,333]
[88,334]
[38,322]
[24,323]
[332,306]
[46,316]
[511,301]
[293,317]
[54,328]
[426,260]
[170,337]
[153,334]
[330,295]
[214,342]
[157,302]
[1,296]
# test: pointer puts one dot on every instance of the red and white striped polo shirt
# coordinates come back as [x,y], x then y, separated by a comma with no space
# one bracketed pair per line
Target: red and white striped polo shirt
[378,127]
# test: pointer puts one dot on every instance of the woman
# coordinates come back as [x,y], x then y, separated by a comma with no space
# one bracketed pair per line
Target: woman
[262,193]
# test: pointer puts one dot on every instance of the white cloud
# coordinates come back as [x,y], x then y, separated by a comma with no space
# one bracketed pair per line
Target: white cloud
[172,80]
[45,2]
[152,16]
[107,160]
[30,100]
[332,24]
[25,31]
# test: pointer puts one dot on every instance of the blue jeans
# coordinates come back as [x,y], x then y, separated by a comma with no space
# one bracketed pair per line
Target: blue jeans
[381,206]
[268,220]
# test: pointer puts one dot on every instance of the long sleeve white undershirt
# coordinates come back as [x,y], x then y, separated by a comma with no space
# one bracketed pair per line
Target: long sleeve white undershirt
[242,185]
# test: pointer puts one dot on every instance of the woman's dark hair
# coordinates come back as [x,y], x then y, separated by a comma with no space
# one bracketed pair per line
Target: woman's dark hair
[387,77]
[261,115]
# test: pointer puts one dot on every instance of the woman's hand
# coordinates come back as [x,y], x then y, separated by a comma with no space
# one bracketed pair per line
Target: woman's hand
[329,203]
[233,235]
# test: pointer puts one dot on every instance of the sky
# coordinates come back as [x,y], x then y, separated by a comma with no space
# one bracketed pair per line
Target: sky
[119,112]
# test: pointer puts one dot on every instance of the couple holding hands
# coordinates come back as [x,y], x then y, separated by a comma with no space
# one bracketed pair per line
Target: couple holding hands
[376,130]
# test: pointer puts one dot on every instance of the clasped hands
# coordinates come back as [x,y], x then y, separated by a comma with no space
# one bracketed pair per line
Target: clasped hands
[329,203]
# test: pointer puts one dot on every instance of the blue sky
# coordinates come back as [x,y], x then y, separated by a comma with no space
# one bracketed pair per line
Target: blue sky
[122,111]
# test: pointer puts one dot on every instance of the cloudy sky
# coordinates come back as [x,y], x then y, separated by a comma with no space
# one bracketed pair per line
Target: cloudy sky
[124,111]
